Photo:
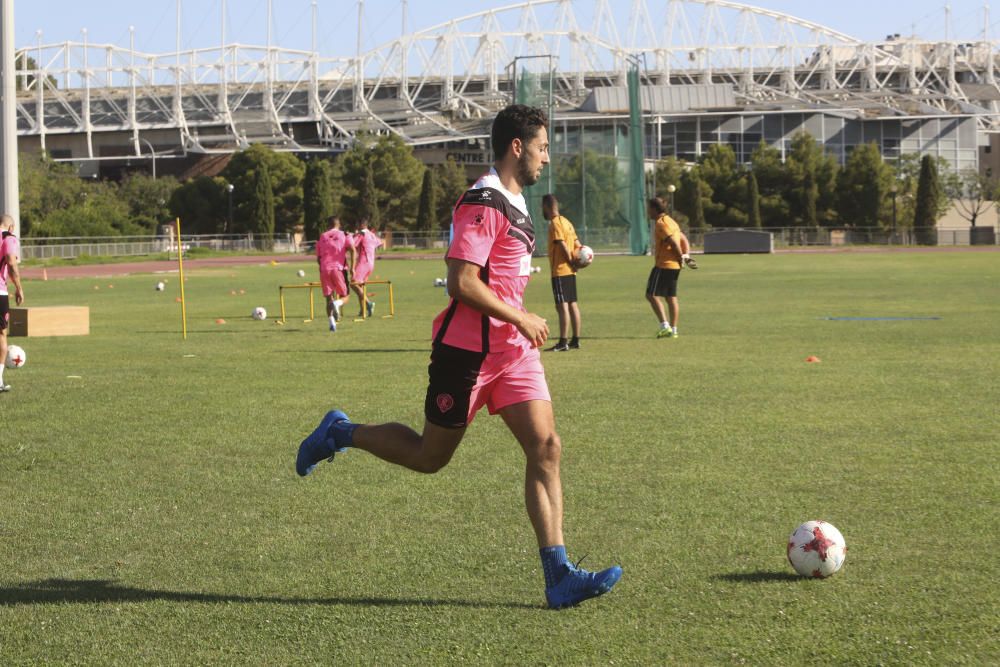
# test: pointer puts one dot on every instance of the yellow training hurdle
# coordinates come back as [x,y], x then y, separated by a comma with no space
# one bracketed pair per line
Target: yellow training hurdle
[312,306]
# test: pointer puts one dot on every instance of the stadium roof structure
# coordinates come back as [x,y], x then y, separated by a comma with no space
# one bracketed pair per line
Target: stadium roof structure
[443,83]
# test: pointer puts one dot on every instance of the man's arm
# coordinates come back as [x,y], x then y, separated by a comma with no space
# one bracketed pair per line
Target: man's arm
[464,285]
[14,276]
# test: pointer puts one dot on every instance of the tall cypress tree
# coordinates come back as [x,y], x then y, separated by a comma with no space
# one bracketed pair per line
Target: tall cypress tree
[317,197]
[262,207]
[925,217]
[369,197]
[753,193]
[698,213]
[810,193]
[428,203]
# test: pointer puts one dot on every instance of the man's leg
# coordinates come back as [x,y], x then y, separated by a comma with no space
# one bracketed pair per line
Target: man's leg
[658,310]
[566,585]
[3,356]
[400,444]
[574,318]
[533,424]
[675,310]
[359,289]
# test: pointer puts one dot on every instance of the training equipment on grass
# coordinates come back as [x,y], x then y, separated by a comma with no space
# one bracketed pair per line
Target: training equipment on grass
[15,357]
[585,257]
[259,313]
[816,549]
[312,305]
[50,321]
[160,287]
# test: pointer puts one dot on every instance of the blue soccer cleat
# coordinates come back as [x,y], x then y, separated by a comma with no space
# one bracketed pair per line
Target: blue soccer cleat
[321,443]
[578,585]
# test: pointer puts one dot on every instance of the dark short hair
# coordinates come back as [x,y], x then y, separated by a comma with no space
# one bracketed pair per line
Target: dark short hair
[332,220]
[549,200]
[658,205]
[515,122]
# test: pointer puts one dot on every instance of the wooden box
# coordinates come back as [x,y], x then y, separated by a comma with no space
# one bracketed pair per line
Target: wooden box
[50,321]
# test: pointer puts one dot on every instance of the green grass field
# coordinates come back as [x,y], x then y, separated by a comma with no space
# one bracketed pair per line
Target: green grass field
[151,513]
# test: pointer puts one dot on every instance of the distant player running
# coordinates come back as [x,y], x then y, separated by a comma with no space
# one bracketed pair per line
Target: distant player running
[485,352]
[10,251]
[332,249]
[365,243]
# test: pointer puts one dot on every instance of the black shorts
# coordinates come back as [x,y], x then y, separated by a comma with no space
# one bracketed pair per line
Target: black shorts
[453,374]
[4,311]
[662,282]
[564,289]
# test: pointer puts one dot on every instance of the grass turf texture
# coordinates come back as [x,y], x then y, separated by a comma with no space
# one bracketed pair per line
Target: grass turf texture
[151,513]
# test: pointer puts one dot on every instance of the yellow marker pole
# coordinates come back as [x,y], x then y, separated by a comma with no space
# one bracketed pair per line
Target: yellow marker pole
[180,268]
[281,298]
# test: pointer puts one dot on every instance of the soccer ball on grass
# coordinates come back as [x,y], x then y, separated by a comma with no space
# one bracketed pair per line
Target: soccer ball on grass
[15,357]
[259,313]
[816,549]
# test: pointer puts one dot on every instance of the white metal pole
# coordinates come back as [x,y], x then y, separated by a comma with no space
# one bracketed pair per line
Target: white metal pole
[9,194]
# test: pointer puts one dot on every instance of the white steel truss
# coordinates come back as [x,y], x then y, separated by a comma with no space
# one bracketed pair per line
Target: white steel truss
[442,83]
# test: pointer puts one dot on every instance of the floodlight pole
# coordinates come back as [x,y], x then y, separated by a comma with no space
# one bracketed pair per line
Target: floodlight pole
[9,194]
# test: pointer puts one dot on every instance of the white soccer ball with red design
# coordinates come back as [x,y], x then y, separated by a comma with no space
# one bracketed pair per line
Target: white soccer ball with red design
[15,357]
[259,313]
[586,256]
[816,549]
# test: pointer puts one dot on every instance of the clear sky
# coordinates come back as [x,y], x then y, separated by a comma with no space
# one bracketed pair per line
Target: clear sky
[108,21]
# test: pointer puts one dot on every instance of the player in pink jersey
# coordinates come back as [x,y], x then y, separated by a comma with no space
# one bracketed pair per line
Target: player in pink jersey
[10,251]
[365,243]
[485,352]
[332,249]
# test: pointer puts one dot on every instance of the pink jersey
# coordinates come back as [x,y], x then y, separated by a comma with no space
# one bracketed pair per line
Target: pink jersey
[492,230]
[9,246]
[366,242]
[331,249]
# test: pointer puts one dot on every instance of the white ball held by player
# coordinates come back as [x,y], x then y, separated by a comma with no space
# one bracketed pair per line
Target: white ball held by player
[585,257]
[816,549]
[259,313]
[15,357]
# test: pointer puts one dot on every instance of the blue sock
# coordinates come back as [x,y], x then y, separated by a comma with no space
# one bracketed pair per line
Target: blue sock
[553,558]
[343,433]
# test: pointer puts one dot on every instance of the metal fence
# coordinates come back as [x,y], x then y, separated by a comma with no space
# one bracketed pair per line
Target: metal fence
[614,239]
[129,246]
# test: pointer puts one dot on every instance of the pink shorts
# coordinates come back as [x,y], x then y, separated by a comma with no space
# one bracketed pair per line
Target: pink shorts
[361,274]
[463,381]
[334,281]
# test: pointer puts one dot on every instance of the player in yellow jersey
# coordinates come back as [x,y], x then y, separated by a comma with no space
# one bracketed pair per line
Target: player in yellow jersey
[564,248]
[670,250]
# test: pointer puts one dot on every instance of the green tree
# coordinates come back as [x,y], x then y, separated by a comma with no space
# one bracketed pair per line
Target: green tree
[926,216]
[862,187]
[690,199]
[754,201]
[26,62]
[428,203]
[202,205]
[147,199]
[45,187]
[286,175]
[972,192]
[810,182]
[317,195]
[450,182]
[261,218]
[719,171]
[772,179]
[394,189]
[588,187]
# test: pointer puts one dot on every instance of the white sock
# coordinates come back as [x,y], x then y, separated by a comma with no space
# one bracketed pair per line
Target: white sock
[338,303]
[675,329]
[333,320]
[1,374]
[664,325]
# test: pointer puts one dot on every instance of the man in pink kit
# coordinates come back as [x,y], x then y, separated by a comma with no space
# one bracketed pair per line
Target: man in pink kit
[485,353]
[365,243]
[332,249]
[10,254]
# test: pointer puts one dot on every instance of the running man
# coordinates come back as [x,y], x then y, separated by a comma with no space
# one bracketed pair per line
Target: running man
[365,244]
[485,352]
[670,250]
[10,251]
[332,249]
[564,248]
